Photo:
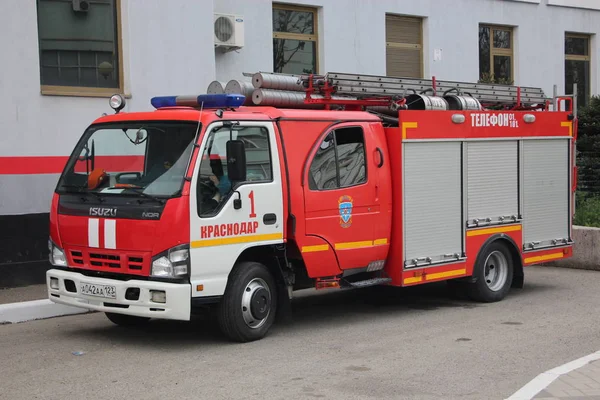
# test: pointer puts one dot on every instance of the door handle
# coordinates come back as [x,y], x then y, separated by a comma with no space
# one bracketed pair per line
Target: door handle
[380,157]
[269,219]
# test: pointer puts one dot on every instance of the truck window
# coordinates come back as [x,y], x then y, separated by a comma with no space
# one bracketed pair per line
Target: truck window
[133,159]
[340,160]
[215,186]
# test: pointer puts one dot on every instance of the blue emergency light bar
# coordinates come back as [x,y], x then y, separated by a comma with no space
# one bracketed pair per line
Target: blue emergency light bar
[203,101]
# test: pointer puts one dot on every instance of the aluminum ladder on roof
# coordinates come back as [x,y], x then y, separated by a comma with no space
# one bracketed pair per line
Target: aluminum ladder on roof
[372,85]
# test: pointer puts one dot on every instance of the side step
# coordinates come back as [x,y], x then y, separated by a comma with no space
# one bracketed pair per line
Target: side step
[369,282]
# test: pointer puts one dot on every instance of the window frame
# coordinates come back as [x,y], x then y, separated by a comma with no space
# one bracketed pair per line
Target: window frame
[409,46]
[202,148]
[577,57]
[498,51]
[84,91]
[314,37]
[337,165]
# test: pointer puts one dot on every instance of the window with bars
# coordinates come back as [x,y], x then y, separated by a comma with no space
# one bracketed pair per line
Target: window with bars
[577,66]
[496,54]
[79,46]
[295,39]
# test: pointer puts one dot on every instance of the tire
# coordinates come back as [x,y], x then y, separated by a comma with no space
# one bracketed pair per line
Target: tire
[493,274]
[126,320]
[248,308]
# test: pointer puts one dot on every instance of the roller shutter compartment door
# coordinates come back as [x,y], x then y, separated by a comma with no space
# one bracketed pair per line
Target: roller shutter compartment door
[432,202]
[545,192]
[492,181]
[404,50]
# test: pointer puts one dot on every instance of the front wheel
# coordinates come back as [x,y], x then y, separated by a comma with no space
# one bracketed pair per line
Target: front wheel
[247,309]
[493,272]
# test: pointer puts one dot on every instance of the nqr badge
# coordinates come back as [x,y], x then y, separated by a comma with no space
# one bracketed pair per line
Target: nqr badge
[345,204]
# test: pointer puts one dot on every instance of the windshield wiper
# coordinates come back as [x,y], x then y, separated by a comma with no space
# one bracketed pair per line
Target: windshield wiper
[81,190]
[146,195]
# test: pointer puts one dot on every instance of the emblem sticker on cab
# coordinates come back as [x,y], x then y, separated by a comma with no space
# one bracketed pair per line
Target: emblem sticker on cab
[345,204]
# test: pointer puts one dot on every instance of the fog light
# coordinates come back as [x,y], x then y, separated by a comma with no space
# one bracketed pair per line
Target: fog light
[54,283]
[158,296]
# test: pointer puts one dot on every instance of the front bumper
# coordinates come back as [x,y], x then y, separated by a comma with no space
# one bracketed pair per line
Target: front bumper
[176,307]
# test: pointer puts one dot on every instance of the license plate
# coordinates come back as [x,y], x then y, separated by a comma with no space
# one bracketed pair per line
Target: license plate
[98,290]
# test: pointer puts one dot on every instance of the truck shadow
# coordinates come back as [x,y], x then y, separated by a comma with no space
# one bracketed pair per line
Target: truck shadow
[310,310]
[391,301]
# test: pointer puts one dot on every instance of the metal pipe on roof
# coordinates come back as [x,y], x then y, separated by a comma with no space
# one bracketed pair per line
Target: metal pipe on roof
[263,80]
[236,86]
[292,99]
[216,87]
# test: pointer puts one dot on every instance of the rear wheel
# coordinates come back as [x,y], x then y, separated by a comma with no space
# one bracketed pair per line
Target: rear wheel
[126,320]
[493,272]
[247,309]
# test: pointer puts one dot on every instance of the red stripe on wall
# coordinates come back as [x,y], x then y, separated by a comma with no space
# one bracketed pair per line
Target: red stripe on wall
[115,164]
[32,165]
[55,164]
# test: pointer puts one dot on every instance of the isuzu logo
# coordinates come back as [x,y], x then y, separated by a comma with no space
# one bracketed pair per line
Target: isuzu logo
[150,215]
[103,212]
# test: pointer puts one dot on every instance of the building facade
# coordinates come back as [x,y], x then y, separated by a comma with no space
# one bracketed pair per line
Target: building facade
[64,58]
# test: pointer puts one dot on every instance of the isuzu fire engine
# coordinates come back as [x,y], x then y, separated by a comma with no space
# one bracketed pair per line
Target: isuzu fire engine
[232,201]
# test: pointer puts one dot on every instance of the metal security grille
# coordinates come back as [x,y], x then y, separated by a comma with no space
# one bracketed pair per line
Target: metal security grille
[79,68]
[545,192]
[492,181]
[404,46]
[432,196]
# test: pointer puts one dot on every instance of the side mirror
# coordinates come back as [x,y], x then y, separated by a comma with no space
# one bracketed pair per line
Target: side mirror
[140,135]
[236,161]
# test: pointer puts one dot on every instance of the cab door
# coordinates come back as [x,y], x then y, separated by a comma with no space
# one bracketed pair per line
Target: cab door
[225,220]
[342,204]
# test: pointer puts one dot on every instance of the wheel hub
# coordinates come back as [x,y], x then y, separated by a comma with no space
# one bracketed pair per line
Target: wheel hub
[256,303]
[260,303]
[496,271]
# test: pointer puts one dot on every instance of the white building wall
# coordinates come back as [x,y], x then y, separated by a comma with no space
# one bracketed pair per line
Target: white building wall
[168,49]
[352,36]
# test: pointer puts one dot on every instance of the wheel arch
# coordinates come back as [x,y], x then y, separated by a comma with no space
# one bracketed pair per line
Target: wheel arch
[264,254]
[275,258]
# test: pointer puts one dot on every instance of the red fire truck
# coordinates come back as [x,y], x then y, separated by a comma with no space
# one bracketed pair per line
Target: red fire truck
[233,201]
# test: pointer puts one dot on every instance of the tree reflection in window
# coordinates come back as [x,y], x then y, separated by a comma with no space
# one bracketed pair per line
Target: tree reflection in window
[340,160]
[294,40]
[495,55]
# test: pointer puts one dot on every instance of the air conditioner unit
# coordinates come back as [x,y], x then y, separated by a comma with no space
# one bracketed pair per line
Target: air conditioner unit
[81,6]
[229,31]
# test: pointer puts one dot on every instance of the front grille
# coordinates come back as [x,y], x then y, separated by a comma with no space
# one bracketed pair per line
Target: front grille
[105,260]
[136,263]
[77,257]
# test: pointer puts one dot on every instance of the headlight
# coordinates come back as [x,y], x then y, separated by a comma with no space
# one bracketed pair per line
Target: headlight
[173,263]
[56,255]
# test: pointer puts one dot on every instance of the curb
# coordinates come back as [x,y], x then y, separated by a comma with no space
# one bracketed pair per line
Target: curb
[544,379]
[13,313]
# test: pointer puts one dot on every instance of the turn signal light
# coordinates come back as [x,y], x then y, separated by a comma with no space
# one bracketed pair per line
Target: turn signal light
[327,284]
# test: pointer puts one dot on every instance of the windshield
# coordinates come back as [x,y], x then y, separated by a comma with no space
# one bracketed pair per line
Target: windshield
[144,158]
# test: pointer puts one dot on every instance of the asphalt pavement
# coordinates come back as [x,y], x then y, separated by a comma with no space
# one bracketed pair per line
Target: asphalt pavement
[374,343]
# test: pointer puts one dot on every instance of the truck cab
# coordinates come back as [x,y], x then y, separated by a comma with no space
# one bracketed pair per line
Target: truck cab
[160,213]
